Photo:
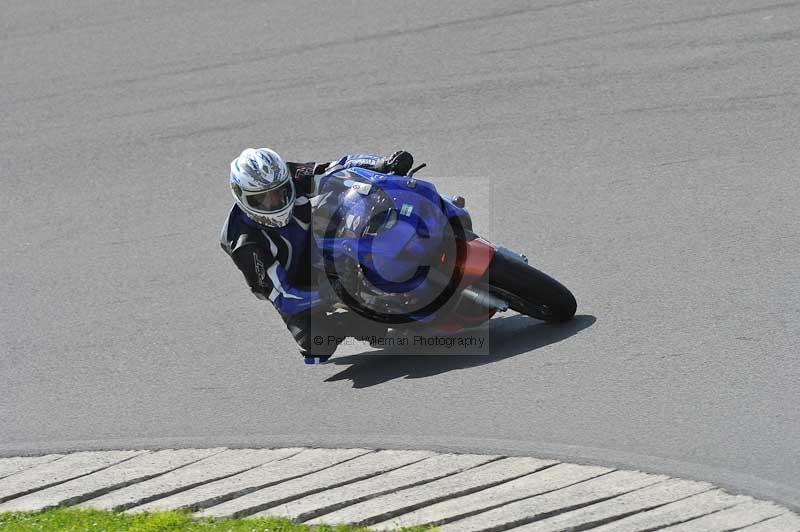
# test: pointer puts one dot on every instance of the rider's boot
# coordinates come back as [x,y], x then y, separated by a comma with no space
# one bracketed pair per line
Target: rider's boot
[314,336]
[312,360]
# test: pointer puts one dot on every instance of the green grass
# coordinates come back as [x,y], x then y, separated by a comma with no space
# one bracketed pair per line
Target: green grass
[71,520]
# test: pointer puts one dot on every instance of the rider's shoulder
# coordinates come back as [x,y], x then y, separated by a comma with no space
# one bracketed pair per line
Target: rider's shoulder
[237,217]
[236,225]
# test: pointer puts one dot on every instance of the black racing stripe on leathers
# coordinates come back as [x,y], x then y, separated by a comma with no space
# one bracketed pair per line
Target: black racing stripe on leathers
[284,250]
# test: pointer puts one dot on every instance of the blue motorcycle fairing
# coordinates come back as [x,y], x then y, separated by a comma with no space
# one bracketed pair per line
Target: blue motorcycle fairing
[452,211]
[394,259]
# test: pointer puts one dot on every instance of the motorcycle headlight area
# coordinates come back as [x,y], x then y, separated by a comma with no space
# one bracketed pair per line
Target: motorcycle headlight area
[381,221]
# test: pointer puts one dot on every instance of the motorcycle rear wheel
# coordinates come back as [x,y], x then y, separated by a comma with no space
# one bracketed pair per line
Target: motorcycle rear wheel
[527,290]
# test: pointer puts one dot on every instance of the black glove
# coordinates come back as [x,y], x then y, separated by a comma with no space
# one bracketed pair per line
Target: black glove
[400,162]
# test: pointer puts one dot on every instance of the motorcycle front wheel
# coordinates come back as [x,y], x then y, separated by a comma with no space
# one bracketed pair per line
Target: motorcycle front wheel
[527,290]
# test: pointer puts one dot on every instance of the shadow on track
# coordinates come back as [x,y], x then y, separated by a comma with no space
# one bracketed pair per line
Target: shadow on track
[510,336]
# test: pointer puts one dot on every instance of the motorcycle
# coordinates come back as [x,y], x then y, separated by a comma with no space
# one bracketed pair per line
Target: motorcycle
[400,254]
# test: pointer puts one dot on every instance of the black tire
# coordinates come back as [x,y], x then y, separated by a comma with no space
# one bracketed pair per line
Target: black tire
[527,290]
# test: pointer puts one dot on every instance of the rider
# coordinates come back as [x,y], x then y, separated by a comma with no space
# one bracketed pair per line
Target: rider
[267,234]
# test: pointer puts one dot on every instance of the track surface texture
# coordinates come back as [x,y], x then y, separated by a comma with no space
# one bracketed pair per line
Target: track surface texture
[643,153]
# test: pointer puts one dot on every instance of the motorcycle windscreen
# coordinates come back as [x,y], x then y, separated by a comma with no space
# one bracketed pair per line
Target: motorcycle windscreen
[402,269]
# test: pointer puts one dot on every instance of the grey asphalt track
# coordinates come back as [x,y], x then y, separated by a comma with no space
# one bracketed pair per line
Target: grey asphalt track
[644,153]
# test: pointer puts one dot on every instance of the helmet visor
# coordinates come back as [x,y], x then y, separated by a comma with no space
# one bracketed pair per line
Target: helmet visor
[271,200]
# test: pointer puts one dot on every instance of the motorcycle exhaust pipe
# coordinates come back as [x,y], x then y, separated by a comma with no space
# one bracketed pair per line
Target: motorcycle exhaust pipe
[485,299]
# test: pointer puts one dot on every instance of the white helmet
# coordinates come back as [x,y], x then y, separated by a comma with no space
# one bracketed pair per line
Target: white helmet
[262,186]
